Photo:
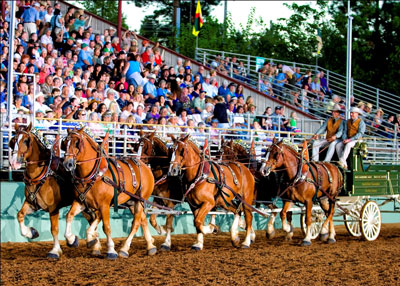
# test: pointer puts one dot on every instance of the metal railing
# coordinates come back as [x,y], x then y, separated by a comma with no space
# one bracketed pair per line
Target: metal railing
[336,82]
[384,151]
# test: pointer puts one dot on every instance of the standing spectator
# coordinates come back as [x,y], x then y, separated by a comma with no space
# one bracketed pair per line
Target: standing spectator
[31,19]
[220,113]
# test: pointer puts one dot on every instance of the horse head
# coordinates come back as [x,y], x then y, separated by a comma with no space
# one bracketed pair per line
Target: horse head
[20,146]
[273,158]
[145,149]
[226,152]
[73,145]
[178,157]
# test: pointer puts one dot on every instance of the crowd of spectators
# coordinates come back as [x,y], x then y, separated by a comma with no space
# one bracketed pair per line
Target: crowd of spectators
[100,79]
[307,91]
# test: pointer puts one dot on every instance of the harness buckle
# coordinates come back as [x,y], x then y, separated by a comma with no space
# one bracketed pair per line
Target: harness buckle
[32,197]
[82,197]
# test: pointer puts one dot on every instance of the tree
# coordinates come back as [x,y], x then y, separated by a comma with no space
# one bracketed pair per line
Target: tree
[104,9]
[161,25]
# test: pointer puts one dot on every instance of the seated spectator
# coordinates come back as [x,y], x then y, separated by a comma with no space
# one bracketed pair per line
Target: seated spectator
[199,102]
[150,90]
[324,84]
[293,122]
[316,89]
[207,113]
[223,89]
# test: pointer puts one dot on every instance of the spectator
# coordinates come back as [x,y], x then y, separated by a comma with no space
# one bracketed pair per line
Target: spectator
[220,113]
[150,91]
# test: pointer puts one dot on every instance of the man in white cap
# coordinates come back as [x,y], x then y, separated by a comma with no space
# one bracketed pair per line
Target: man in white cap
[354,129]
[150,90]
[333,127]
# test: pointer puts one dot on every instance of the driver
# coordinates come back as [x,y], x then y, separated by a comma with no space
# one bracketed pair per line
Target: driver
[354,129]
[333,126]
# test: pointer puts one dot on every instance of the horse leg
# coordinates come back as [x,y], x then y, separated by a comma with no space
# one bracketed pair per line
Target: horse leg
[270,234]
[28,232]
[56,251]
[248,215]
[213,223]
[76,208]
[137,212]
[151,248]
[92,237]
[200,215]
[234,230]
[105,215]
[153,221]
[332,232]
[325,226]
[287,227]
[166,245]
[307,239]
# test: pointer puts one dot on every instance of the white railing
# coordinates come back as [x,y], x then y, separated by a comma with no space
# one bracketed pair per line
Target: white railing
[385,151]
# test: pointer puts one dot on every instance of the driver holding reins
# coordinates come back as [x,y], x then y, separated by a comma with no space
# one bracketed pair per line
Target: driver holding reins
[333,126]
[354,130]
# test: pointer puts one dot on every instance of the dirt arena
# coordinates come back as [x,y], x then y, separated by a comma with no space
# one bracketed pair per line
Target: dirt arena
[350,261]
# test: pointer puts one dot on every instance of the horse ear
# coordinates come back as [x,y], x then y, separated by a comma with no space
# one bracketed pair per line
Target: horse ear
[16,126]
[63,147]
[141,133]
[172,137]
[29,128]
[231,143]
[68,130]
[252,148]
[274,140]
[186,138]
[104,144]
[56,148]
[222,141]
[151,136]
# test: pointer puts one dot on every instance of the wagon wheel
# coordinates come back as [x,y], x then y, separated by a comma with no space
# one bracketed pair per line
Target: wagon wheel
[316,224]
[352,220]
[371,220]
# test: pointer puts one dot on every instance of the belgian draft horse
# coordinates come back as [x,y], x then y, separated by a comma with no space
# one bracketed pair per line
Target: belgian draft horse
[95,177]
[47,185]
[213,184]
[167,191]
[323,181]
[266,188]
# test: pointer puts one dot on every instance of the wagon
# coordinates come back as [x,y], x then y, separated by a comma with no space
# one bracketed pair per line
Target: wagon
[367,187]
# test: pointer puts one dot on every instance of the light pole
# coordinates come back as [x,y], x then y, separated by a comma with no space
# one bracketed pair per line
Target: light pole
[348,62]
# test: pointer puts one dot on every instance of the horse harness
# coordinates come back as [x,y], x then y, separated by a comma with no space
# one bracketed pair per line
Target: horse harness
[38,182]
[98,172]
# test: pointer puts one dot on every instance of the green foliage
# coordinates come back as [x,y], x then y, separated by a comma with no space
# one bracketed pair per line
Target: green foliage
[104,9]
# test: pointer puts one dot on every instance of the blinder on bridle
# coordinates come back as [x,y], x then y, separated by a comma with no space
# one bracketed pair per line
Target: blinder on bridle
[79,144]
[13,141]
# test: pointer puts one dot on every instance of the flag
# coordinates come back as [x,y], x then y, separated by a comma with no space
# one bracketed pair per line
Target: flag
[198,20]
[319,40]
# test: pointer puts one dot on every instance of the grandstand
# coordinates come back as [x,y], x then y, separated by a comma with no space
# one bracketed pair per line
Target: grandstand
[57,85]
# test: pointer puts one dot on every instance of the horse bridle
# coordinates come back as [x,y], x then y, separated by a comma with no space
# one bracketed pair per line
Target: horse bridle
[27,148]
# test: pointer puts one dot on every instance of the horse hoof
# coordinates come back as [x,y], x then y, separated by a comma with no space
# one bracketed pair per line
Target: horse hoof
[331,240]
[216,229]
[96,253]
[324,236]
[35,233]
[123,254]
[91,243]
[165,247]
[196,248]
[152,251]
[244,246]
[236,242]
[75,244]
[306,243]
[52,256]
[270,235]
[252,241]
[112,256]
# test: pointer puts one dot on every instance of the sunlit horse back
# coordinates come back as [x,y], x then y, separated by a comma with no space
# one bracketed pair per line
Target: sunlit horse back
[210,184]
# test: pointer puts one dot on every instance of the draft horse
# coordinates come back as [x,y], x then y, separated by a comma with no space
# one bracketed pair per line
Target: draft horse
[211,184]
[47,184]
[98,179]
[167,190]
[266,188]
[322,181]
